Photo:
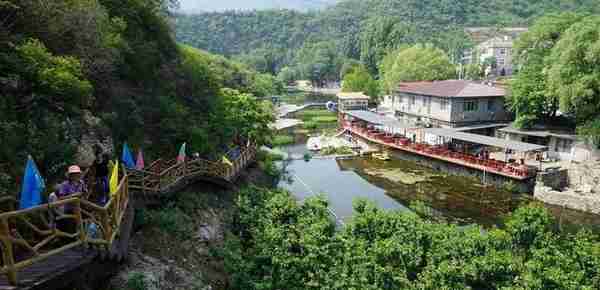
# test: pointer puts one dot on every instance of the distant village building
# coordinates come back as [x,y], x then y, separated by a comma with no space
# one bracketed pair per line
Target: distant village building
[492,43]
[450,103]
[352,101]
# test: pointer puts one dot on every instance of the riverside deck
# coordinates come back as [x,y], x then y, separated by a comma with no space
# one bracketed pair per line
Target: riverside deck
[440,152]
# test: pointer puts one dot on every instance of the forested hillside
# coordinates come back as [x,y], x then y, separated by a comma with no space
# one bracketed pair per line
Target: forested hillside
[66,63]
[358,29]
[211,5]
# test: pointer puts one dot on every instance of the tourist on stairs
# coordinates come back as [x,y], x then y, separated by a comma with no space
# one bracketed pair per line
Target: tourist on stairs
[73,185]
[101,169]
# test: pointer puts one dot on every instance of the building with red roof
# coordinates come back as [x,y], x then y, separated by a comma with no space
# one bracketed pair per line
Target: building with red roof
[449,103]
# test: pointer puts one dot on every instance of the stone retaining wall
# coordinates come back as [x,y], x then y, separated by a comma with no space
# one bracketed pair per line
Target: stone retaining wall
[582,191]
[523,186]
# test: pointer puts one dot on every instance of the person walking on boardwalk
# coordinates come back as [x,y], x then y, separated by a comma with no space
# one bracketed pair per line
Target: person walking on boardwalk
[101,169]
[73,185]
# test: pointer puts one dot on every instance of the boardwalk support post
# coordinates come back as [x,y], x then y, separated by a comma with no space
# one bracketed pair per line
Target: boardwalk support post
[7,253]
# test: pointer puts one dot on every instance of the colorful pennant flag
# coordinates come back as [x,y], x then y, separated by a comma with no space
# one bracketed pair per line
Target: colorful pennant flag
[114,179]
[127,158]
[33,185]
[139,165]
[181,156]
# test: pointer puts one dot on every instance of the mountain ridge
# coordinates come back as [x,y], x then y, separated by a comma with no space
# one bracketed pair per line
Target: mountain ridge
[199,6]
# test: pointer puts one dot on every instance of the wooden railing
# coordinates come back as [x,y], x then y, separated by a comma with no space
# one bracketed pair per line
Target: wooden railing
[35,234]
[32,235]
[153,180]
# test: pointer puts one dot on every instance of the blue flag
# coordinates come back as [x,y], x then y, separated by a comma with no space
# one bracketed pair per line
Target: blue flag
[33,185]
[127,158]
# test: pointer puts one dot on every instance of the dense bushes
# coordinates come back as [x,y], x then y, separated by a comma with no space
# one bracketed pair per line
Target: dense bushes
[278,243]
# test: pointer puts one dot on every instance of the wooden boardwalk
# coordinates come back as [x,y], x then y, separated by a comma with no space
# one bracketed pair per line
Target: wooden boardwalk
[33,259]
[40,273]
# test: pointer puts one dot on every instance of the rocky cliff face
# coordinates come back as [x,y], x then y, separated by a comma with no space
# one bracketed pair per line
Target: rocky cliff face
[94,134]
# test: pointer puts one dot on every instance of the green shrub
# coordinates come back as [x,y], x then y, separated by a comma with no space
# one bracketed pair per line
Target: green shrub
[280,140]
[135,281]
[344,150]
[325,119]
[171,220]
[310,125]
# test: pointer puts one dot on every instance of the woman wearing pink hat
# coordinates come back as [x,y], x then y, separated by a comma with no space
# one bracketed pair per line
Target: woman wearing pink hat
[74,184]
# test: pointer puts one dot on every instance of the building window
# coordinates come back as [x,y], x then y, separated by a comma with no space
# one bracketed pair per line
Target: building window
[443,105]
[413,100]
[490,105]
[500,61]
[471,106]
[503,51]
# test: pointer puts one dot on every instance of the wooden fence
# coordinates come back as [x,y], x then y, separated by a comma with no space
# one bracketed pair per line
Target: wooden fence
[35,234]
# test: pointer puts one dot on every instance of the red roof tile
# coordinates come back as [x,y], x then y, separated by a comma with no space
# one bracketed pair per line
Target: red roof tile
[451,88]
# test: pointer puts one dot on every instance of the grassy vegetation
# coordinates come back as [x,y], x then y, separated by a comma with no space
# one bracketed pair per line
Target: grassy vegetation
[325,119]
[312,113]
[172,220]
[336,151]
[135,281]
[280,140]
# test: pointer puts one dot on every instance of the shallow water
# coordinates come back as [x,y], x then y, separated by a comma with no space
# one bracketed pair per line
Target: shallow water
[395,184]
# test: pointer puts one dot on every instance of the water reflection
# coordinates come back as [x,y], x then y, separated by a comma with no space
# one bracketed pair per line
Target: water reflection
[396,184]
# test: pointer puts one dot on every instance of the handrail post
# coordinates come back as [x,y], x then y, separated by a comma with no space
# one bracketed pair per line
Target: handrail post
[7,254]
[79,222]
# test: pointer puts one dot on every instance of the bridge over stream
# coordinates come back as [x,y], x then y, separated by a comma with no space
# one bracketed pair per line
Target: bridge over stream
[36,254]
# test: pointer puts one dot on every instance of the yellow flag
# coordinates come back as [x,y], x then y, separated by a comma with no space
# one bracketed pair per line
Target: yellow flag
[114,179]
[226,161]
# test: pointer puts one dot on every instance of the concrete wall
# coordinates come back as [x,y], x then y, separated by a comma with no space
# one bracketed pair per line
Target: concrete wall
[583,192]
[525,186]
[422,106]
[482,114]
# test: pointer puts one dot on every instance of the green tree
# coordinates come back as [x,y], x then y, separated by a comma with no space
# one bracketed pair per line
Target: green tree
[530,97]
[359,80]
[288,75]
[573,72]
[319,62]
[473,71]
[415,63]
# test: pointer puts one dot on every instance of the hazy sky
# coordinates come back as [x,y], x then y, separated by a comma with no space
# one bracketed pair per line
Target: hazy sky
[211,5]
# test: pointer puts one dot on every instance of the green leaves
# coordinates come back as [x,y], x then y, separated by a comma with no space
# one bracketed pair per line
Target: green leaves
[284,245]
[416,63]
[359,80]
[60,77]
[559,60]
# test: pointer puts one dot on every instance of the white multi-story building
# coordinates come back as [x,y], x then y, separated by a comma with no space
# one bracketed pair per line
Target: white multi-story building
[450,103]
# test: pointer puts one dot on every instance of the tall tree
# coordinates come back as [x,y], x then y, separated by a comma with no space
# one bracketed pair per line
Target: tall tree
[359,80]
[530,97]
[416,63]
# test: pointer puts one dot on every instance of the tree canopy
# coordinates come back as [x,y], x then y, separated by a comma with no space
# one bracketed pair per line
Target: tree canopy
[416,63]
[358,79]
[278,243]
[559,60]
[74,66]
